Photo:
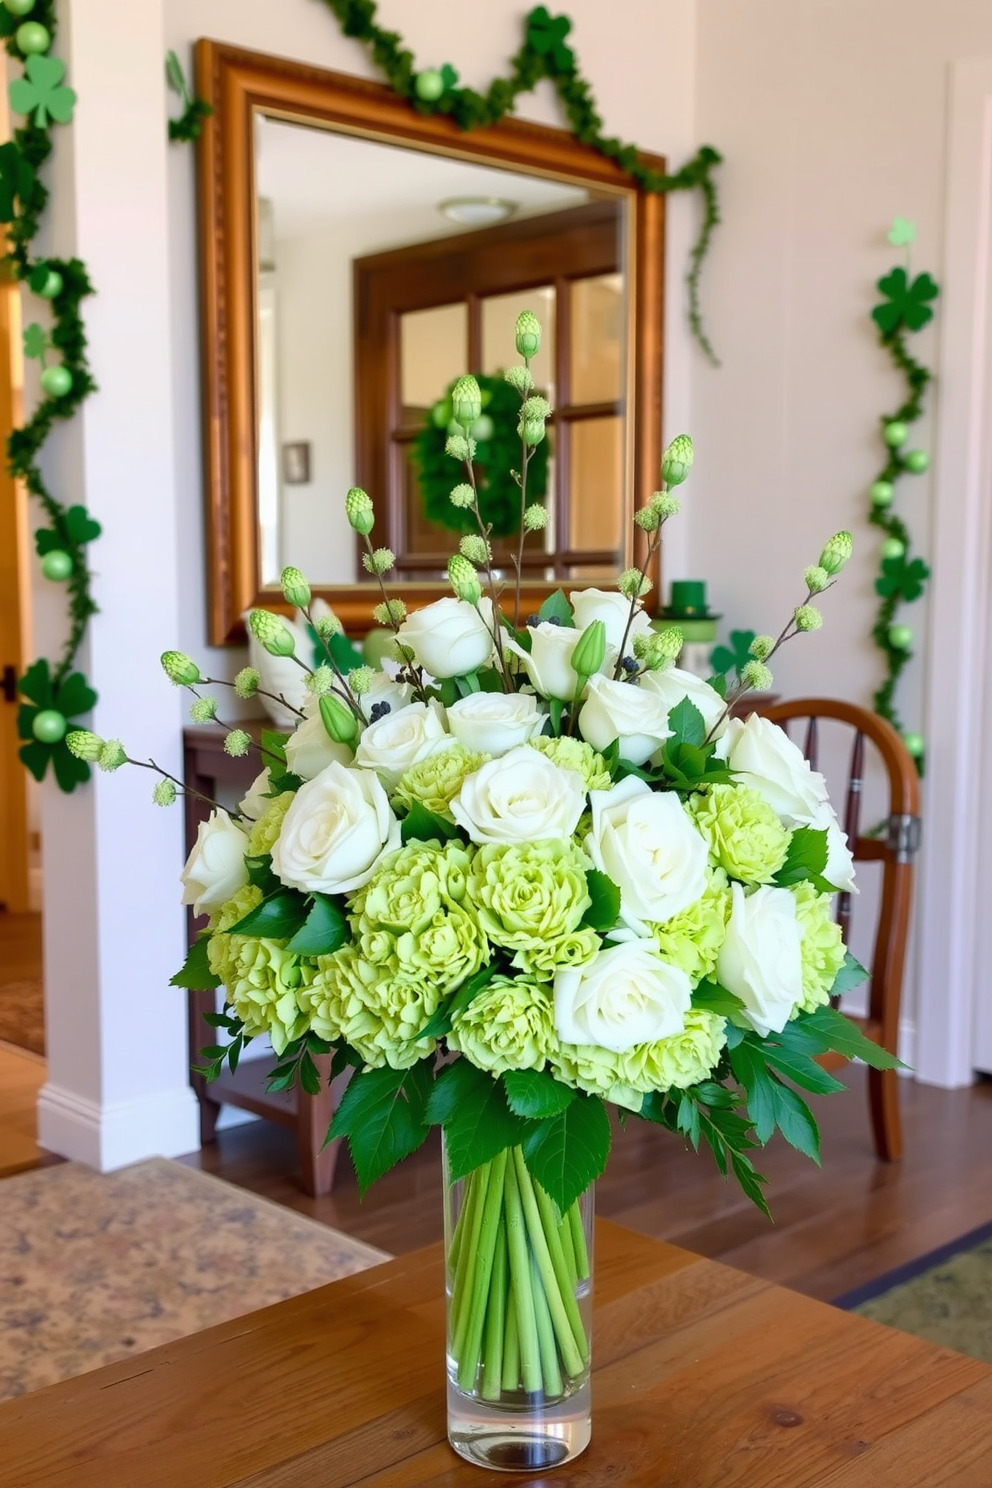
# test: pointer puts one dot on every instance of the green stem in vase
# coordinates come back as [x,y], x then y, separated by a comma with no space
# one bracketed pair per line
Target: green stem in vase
[516,1234]
[579,1242]
[465,1281]
[572,1358]
[566,1283]
[511,1343]
[568,1249]
[475,1306]
[545,1334]
[492,1369]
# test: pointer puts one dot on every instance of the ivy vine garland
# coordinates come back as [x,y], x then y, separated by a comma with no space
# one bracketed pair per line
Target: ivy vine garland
[906,307]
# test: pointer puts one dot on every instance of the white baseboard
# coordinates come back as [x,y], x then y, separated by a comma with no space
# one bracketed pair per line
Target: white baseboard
[108,1137]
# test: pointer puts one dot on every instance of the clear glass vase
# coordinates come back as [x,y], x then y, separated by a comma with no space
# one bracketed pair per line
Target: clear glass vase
[519,1307]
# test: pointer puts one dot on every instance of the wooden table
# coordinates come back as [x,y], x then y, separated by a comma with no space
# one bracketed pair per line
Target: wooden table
[703,1376]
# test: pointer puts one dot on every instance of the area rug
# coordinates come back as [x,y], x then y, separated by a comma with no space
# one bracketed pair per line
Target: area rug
[95,1268]
[945,1296]
[22,1014]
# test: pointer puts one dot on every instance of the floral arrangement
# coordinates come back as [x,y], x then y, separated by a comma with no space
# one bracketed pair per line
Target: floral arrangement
[541,848]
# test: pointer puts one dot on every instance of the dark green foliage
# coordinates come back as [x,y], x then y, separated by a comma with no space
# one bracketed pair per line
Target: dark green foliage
[566,1152]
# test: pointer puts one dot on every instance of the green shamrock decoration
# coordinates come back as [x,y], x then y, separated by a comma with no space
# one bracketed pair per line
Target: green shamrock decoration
[902,232]
[907,580]
[733,657]
[70,698]
[16,180]
[39,91]
[36,342]
[75,528]
[546,34]
[906,302]
[449,76]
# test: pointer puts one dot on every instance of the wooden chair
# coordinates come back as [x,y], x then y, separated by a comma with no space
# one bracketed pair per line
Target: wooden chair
[895,851]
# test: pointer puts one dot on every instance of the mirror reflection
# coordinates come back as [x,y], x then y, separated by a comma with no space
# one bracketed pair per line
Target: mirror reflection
[384,273]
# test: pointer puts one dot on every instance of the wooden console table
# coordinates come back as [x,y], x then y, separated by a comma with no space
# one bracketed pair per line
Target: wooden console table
[702,1377]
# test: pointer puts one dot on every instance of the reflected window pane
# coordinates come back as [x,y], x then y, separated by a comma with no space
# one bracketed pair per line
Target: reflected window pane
[433,352]
[595,484]
[499,320]
[596,341]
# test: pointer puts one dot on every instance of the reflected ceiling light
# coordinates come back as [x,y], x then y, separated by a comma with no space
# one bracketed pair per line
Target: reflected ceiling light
[477,211]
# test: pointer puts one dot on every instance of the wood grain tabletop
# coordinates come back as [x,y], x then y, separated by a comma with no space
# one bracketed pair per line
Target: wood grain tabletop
[702,1377]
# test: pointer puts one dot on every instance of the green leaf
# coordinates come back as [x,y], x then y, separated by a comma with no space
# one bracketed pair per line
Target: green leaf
[277,918]
[851,974]
[564,1153]
[195,972]
[686,724]
[557,607]
[274,746]
[604,911]
[441,1021]
[555,710]
[345,1058]
[801,1069]
[324,930]
[536,1093]
[16,183]
[260,873]
[805,860]
[426,826]
[716,999]
[839,1034]
[383,1115]
[309,1075]
[472,1108]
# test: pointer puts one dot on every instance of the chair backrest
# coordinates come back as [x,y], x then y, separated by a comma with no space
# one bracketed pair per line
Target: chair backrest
[895,850]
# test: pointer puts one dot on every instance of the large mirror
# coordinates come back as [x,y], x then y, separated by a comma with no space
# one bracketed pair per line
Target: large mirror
[358,257]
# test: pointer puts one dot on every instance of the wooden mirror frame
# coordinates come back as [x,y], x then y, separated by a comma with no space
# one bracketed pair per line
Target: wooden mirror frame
[235,83]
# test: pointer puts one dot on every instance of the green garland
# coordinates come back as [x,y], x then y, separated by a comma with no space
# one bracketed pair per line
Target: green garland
[902,578]
[54,693]
[544,53]
[187,127]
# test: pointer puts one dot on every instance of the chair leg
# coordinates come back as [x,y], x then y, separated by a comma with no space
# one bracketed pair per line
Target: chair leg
[886,1121]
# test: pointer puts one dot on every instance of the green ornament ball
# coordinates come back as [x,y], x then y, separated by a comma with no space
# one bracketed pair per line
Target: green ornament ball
[429,85]
[882,493]
[892,547]
[914,744]
[57,565]
[917,461]
[52,285]
[56,381]
[896,433]
[900,637]
[33,38]
[19,7]
[49,726]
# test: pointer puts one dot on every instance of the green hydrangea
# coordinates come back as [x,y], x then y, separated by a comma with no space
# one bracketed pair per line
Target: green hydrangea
[529,897]
[674,1063]
[509,1025]
[822,948]
[743,834]
[446,952]
[577,755]
[372,1010]
[435,781]
[692,939]
[265,832]
[262,979]
[412,885]
[542,961]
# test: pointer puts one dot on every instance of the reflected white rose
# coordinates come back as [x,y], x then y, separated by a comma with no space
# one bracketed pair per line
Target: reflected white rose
[521,797]
[385,689]
[549,663]
[495,722]
[311,749]
[450,637]
[645,841]
[675,685]
[399,740]
[215,869]
[623,711]
[256,800]
[760,960]
[767,760]
[613,609]
[338,827]
[625,995]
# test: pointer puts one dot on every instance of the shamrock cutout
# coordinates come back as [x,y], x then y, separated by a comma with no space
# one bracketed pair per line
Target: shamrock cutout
[39,91]
[449,76]
[70,698]
[907,302]
[36,342]
[72,530]
[902,578]
[902,232]
[546,34]
[735,656]
[16,180]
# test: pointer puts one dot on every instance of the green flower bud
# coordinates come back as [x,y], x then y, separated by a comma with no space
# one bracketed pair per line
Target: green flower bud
[320,680]
[916,461]
[360,511]
[528,334]
[633,582]
[816,578]
[590,652]
[180,669]
[379,562]
[807,617]
[762,647]
[237,743]
[295,589]
[203,709]
[112,755]
[462,496]
[657,650]
[676,462]
[535,517]
[900,637]
[882,493]
[272,632]
[460,448]
[755,674]
[475,548]
[360,680]
[895,433]
[648,519]
[164,793]
[536,408]
[247,682]
[84,745]
[892,547]
[836,552]
[339,721]
[389,612]
[666,504]
[531,431]
[466,401]
[328,626]
[405,655]
[464,579]
[519,378]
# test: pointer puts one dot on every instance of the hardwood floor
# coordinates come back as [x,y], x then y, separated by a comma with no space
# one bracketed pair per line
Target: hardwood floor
[21,1077]
[834,1228]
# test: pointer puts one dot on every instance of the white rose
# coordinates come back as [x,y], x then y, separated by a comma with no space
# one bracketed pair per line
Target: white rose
[215,869]
[450,638]
[623,711]
[646,843]
[385,689]
[397,741]
[311,749]
[494,722]
[624,996]
[256,800]
[613,609]
[760,959]
[521,797]
[840,863]
[767,760]
[333,835]
[675,685]
[549,663]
